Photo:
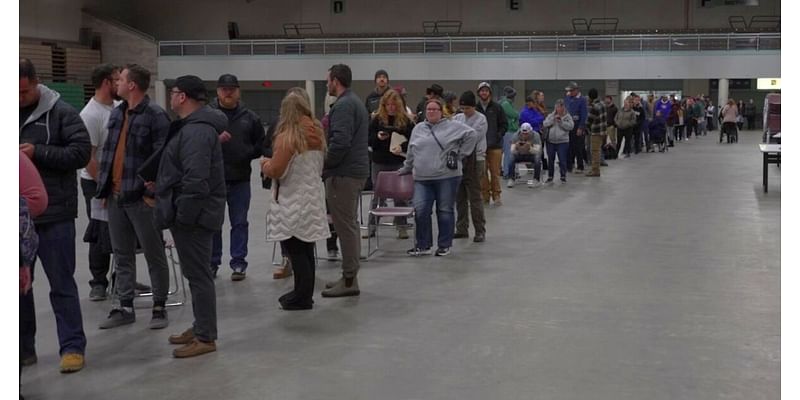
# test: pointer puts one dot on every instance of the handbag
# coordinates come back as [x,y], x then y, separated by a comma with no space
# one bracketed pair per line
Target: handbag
[452,156]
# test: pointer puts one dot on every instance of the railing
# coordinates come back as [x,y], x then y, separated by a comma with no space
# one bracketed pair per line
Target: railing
[477,45]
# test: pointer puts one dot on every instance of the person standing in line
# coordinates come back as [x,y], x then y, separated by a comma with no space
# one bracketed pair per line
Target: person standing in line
[434,157]
[626,121]
[297,218]
[346,170]
[512,118]
[137,128]
[597,128]
[468,198]
[730,112]
[710,112]
[750,114]
[577,108]
[435,91]
[389,120]
[241,143]
[190,202]
[381,86]
[497,125]
[639,132]
[611,128]
[95,116]
[559,124]
[701,115]
[53,136]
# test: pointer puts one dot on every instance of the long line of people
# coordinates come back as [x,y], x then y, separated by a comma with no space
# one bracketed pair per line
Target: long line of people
[145,173]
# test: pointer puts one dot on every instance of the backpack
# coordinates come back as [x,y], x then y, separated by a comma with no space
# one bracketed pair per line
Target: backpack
[28,239]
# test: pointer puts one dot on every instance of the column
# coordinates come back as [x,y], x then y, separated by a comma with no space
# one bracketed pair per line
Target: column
[310,90]
[722,94]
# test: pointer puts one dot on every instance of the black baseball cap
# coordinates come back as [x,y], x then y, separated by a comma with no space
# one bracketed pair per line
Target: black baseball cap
[467,99]
[435,89]
[227,81]
[191,85]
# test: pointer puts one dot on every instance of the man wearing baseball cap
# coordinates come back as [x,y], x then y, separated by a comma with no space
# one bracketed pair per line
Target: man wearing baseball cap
[190,202]
[497,125]
[576,107]
[241,144]
[435,91]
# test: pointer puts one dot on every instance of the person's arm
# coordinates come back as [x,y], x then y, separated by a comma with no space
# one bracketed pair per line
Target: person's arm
[408,165]
[468,141]
[372,135]
[549,120]
[342,127]
[276,166]
[257,136]
[502,123]
[567,123]
[31,187]
[582,114]
[195,151]
[77,147]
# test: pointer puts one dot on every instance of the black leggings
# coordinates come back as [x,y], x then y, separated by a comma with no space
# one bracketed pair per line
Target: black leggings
[304,266]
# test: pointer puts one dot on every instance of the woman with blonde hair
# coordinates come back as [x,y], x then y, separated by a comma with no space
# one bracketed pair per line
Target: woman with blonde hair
[297,217]
[389,120]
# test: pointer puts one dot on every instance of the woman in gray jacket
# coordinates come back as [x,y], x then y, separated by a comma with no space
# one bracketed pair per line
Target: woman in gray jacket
[434,156]
[626,122]
[560,123]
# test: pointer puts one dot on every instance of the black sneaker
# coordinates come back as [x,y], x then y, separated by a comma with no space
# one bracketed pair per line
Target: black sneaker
[141,288]
[563,179]
[214,269]
[238,275]
[118,317]
[442,251]
[549,180]
[98,293]
[159,320]
[416,251]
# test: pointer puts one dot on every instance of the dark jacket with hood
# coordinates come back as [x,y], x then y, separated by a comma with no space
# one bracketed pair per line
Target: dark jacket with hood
[247,137]
[62,146]
[190,187]
[374,101]
[348,154]
[496,123]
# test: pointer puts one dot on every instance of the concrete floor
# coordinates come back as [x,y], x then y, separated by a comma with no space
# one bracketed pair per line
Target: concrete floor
[659,280]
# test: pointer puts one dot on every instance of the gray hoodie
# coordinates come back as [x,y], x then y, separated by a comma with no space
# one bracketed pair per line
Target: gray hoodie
[427,160]
[559,131]
[477,122]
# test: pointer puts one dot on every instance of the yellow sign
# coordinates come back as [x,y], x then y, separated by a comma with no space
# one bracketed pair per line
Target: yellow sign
[769,84]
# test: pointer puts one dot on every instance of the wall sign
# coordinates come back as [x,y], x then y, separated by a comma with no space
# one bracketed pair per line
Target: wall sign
[337,6]
[769,84]
[514,5]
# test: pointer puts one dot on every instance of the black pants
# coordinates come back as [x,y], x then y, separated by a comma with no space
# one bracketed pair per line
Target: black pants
[751,122]
[626,134]
[637,138]
[577,149]
[304,266]
[691,126]
[193,244]
[100,248]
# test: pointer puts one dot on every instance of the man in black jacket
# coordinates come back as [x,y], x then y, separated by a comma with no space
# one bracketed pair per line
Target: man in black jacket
[381,85]
[497,123]
[346,169]
[190,201]
[53,136]
[241,144]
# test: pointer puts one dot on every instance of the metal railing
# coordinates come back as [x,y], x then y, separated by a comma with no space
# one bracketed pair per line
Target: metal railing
[477,45]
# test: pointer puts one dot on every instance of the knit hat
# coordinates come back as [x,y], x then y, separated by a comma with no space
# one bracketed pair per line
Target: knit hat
[448,96]
[467,99]
[435,89]
[509,92]
[484,85]
[381,72]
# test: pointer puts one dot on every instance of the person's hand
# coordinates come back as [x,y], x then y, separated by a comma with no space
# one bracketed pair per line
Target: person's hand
[151,202]
[28,149]
[396,150]
[264,161]
[383,135]
[224,137]
[579,132]
[150,185]
[25,280]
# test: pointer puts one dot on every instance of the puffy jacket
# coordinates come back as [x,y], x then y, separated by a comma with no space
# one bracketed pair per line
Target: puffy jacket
[496,122]
[247,137]
[611,113]
[190,187]
[664,107]
[559,131]
[148,125]
[347,138]
[62,146]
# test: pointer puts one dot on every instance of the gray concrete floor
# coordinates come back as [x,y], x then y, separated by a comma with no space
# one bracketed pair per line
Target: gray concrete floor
[659,280]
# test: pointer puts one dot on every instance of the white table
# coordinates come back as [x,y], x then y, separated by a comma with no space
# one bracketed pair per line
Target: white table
[771,155]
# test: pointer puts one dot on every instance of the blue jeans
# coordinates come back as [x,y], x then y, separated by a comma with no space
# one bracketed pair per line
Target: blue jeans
[443,192]
[508,158]
[562,149]
[57,255]
[238,199]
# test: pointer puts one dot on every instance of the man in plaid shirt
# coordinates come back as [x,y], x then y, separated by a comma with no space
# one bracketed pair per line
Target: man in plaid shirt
[137,129]
[597,128]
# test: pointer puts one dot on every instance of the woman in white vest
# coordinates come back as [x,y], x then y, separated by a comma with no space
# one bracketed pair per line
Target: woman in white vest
[297,216]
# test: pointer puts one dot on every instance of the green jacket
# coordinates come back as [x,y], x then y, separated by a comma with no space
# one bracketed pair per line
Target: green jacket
[512,115]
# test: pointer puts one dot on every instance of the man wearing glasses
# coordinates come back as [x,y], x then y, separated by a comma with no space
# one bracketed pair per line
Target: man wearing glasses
[137,128]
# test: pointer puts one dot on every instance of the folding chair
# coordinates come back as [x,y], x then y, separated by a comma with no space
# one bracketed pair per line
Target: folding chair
[176,278]
[392,185]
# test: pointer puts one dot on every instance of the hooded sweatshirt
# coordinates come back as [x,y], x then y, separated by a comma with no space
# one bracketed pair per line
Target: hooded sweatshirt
[190,185]
[559,131]
[477,122]
[62,146]
[427,160]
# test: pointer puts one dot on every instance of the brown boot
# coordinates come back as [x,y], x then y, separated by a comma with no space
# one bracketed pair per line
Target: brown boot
[194,348]
[284,271]
[183,338]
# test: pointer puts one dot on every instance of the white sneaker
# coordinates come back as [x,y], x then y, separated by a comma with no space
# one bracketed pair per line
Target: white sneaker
[533,183]
[510,183]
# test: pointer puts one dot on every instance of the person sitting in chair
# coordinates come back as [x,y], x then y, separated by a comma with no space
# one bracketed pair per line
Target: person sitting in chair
[526,146]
